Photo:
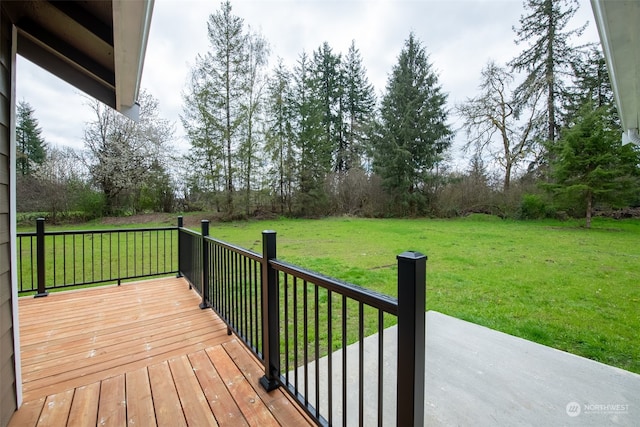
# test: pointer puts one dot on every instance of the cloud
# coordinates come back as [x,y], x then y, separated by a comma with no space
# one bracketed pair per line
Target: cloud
[59,107]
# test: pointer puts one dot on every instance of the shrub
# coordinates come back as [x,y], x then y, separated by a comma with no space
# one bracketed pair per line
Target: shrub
[533,206]
[91,202]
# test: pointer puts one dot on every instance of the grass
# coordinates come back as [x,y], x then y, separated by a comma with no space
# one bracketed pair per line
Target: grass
[551,282]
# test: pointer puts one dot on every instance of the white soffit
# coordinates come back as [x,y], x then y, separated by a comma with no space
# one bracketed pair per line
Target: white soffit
[131,23]
[618,23]
[98,46]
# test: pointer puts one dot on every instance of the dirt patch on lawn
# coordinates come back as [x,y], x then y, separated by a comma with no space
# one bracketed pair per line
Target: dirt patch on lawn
[168,219]
[192,221]
[163,218]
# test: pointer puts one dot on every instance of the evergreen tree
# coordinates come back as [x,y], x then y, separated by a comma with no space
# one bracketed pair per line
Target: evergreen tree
[591,164]
[206,155]
[548,55]
[413,133]
[30,146]
[249,153]
[358,111]
[328,77]
[310,138]
[214,111]
[279,137]
[590,84]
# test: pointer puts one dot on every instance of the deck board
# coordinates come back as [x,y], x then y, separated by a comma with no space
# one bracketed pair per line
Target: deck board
[246,397]
[194,402]
[112,411]
[28,414]
[140,411]
[139,354]
[220,400]
[166,399]
[281,404]
[55,411]
[84,408]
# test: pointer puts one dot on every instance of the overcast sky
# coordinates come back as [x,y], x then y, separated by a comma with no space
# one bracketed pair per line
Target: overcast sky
[460,36]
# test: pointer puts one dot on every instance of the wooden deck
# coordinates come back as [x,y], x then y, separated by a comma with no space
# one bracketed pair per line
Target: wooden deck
[140,354]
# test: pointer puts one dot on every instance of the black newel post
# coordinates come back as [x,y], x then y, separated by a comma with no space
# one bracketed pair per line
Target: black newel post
[42,292]
[270,317]
[411,338]
[180,266]
[205,265]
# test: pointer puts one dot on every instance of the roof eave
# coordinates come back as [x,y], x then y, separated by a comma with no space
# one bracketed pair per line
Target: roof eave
[617,23]
[131,23]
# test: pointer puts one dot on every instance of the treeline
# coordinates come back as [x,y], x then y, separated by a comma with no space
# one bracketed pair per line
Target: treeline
[310,140]
[125,167]
[542,135]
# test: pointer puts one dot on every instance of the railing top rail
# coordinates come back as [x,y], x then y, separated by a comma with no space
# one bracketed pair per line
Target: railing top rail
[190,231]
[366,296]
[26,234]
[99,231]
[242,251]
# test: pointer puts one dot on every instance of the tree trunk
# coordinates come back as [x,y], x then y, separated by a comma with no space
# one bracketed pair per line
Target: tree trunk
[551,110]
[281,173]
[249,154]
[229,178]
[589,208]
[507,177]
[228,129]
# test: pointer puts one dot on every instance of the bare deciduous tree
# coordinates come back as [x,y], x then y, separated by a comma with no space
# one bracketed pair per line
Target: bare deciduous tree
[496,123]
[51,185]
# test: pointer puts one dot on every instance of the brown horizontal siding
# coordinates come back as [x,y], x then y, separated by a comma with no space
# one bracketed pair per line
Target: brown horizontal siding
[6,326]
[8,403]
[4,171]
[4,196]
[5,111]
[5,262]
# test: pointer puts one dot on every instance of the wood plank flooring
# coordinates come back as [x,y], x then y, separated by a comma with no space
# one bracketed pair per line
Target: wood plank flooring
[140,354]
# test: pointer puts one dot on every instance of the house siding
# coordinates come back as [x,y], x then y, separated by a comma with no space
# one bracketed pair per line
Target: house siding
[8,401]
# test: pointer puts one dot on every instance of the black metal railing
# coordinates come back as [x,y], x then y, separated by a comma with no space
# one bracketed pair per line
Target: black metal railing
[190,259]
[329,315]
[50,260]
[228,279]
[326,342]
[303,325]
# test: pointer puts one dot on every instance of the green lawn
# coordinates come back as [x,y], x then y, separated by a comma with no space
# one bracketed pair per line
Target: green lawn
[78,259]
[551,282]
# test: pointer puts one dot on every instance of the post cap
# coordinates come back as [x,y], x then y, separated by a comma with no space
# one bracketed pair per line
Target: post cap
[411,255]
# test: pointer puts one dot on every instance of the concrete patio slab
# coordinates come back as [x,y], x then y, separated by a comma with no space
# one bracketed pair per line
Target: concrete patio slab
[476,376]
